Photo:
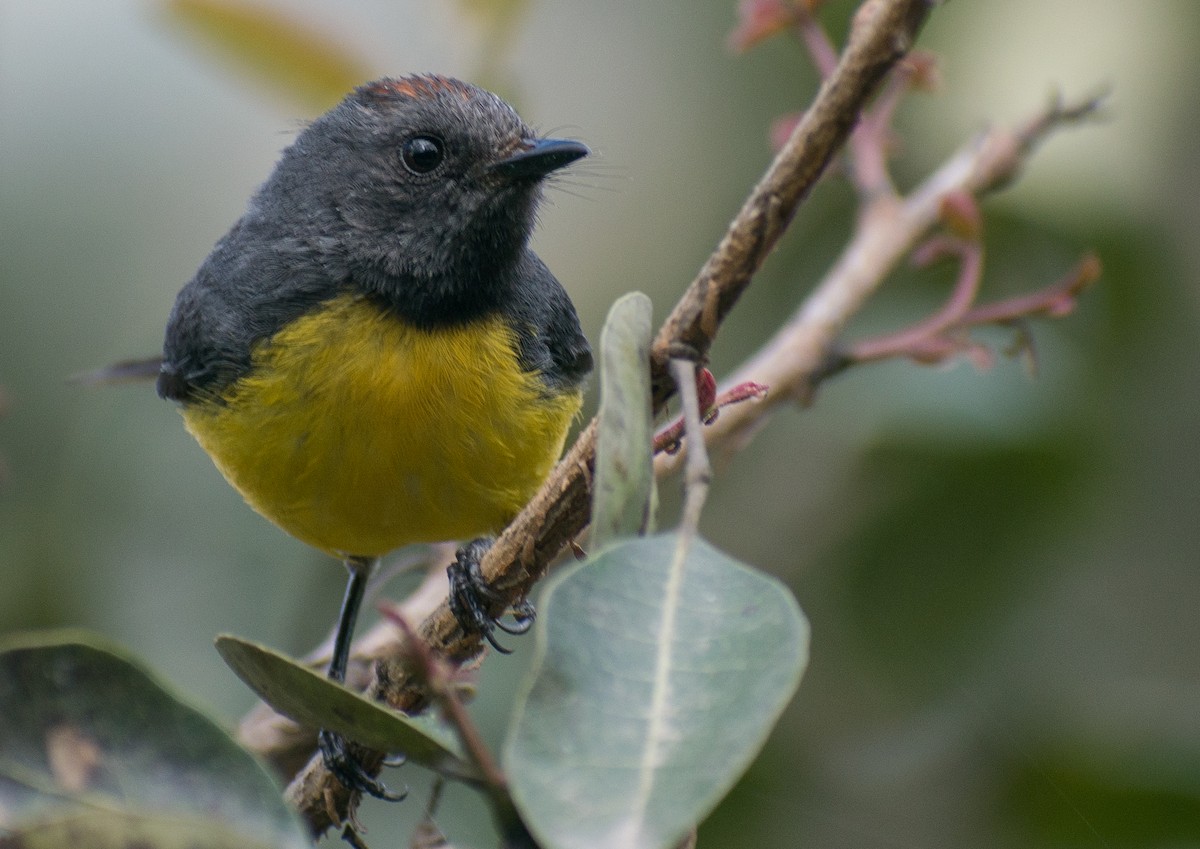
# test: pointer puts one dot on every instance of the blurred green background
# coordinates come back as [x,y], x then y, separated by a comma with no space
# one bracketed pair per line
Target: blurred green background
[1001,573]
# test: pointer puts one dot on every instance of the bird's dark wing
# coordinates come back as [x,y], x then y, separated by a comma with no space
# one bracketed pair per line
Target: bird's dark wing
[547,326]
[252,284]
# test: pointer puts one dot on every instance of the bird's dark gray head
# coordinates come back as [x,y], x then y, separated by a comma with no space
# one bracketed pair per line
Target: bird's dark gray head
[424,188]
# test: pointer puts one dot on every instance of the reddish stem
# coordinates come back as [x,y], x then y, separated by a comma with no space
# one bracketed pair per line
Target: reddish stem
[669,438]
[816,41]
[1056,300]
[924,340]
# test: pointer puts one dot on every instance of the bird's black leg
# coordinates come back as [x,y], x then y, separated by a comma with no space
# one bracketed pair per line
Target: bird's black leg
[335,749]
[471,599]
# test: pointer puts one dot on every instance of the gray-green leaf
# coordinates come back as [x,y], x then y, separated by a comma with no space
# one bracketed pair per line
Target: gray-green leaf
[311,699]
[657,680]
[624,477]
[96,753]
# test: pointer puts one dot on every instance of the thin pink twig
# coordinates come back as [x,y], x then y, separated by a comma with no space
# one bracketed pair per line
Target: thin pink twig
[668,439]
[1057,299]
[923,340]
[816,41]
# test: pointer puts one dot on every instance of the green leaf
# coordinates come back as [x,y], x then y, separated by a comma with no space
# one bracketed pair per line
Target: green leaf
[624,477]
[308,66]
[311,699]
[104,829]
[661,667]
[95,753]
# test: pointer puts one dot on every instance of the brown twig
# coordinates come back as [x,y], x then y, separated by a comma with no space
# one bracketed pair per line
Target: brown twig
[882,33]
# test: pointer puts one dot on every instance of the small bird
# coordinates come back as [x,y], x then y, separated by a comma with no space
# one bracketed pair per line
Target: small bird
[373,356]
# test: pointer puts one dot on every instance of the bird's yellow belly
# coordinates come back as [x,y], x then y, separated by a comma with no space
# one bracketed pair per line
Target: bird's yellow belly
[357,433]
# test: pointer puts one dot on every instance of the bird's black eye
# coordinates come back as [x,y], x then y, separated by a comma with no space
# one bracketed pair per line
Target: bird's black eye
[421,154]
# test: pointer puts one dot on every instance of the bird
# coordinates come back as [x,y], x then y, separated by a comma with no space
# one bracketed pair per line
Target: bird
[373,356]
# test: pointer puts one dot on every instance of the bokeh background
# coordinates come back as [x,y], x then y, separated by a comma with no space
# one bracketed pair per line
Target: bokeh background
[1001,572]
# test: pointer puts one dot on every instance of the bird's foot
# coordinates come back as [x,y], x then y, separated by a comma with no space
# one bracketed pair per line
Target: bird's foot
[471,598]
[346,768]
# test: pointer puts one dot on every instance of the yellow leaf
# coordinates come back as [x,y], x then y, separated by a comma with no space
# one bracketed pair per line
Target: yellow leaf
[291,57]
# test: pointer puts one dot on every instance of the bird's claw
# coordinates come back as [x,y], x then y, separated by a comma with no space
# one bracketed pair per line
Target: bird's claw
[471,597]
[345,767]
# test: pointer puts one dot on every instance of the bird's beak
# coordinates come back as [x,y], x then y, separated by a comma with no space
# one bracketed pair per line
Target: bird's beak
[538,157]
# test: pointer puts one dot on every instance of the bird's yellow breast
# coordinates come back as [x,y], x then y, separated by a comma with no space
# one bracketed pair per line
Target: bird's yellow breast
[358,433]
